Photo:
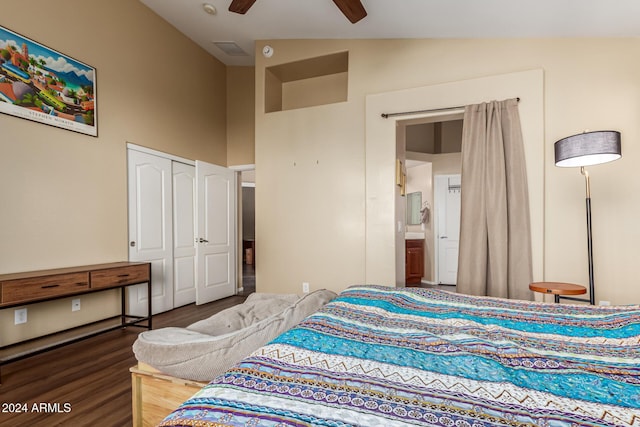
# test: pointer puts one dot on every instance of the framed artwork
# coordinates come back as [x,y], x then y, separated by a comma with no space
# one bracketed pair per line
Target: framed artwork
[40,84]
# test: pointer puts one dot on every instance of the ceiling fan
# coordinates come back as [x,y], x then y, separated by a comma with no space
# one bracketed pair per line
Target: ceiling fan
[352,9]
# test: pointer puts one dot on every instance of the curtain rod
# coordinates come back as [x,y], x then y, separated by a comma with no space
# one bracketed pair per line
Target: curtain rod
[405,113]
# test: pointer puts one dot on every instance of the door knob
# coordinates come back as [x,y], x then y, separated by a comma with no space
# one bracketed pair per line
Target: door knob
[201,240]
[443,237]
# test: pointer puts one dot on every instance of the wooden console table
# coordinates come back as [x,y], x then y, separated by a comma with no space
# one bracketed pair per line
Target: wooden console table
[19,289]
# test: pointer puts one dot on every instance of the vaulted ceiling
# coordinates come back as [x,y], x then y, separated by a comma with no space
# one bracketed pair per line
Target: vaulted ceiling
[321,19]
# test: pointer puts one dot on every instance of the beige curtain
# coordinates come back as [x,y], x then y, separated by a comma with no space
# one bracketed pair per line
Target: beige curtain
[495,233]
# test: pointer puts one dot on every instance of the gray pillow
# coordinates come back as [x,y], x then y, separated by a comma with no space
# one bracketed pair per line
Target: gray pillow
[195,353]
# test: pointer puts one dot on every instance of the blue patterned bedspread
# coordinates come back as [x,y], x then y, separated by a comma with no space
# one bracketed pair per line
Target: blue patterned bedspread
[384,357]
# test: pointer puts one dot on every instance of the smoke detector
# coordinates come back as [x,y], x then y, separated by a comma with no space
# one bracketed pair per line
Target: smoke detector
[210,9]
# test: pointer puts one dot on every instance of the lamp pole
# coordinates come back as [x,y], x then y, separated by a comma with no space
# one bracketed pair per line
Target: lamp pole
[592,297]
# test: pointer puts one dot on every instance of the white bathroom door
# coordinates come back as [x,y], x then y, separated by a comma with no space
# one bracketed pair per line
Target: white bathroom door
[184,233]
[447,207]
[150,229]
[216,199]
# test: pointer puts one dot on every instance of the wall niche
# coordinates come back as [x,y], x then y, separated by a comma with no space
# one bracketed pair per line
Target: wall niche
[314,81]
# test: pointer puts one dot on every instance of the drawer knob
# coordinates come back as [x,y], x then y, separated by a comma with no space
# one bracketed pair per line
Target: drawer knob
[49,286]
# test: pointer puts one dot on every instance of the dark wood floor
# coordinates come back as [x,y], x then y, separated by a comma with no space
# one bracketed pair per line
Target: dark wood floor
[87,383]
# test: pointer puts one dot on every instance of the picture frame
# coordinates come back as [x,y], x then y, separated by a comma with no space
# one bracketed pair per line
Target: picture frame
[43,85]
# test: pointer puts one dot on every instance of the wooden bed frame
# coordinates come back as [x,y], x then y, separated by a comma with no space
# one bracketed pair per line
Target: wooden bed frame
[155,395]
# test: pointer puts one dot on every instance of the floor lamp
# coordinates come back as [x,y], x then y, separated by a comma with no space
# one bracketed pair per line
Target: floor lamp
[588,148]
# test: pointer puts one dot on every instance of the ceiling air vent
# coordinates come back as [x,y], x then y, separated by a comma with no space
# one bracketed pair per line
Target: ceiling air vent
[231,48]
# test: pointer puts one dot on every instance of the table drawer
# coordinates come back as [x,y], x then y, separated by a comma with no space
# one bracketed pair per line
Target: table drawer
[35,288]
[120,276]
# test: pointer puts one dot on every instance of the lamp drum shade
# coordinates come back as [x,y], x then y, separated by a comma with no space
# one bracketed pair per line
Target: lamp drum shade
[589,148]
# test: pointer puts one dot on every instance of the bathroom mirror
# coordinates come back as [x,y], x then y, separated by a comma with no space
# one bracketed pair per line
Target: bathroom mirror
[414,202]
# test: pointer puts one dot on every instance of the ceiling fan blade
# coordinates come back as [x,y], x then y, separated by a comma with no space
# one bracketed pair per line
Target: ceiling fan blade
[352,9]
[241,6]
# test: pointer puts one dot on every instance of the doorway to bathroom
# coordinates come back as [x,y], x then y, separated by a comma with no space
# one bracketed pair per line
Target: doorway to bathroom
[432,148]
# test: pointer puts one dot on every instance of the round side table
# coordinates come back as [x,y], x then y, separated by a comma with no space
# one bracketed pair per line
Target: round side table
[557,289]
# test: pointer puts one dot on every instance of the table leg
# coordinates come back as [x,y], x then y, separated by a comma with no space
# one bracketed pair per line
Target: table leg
[149,312]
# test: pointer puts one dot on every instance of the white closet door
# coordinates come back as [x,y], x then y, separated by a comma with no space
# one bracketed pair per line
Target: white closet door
[184,233]
[216,189]
[150,229]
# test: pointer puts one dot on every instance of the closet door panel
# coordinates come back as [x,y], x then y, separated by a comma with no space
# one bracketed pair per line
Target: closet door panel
[150,229]
[184,247]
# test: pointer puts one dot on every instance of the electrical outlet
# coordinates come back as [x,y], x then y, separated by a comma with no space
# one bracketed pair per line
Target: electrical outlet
[75,304]
[20,316]
[604,302]
[305,287]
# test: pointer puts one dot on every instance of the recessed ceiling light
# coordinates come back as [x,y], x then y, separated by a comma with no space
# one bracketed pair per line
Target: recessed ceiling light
[210,9]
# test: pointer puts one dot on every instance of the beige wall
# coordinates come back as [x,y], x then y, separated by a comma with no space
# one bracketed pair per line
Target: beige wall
[435,137]
[64,195]
[421,138]
[310,212]
[240,115]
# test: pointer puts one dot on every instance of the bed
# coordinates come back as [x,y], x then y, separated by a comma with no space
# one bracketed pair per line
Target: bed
[384,357]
